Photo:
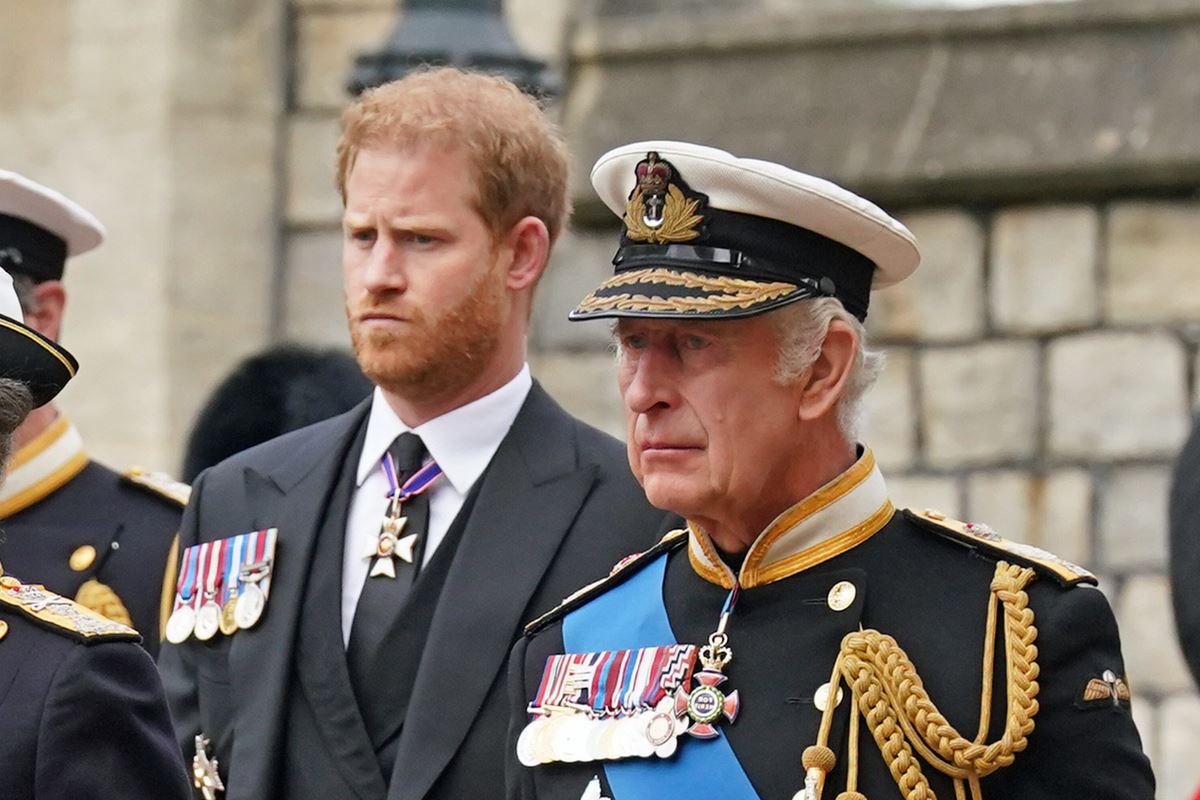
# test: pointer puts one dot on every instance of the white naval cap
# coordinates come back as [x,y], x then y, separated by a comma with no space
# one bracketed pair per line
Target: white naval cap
[40,228]
[750,235]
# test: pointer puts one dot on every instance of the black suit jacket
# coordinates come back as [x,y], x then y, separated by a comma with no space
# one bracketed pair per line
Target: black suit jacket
[556,507]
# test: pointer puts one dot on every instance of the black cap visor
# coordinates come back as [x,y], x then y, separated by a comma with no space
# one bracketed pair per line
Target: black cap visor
[29,357]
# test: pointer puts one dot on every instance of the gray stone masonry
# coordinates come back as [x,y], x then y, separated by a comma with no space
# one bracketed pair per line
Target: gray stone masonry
[1151,246]
[943,301]
[1043,268]
[979,404]
[1117,395]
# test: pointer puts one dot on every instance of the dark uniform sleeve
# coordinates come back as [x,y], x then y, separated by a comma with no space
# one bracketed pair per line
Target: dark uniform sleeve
[176,663]
[106,731]
[1078,748]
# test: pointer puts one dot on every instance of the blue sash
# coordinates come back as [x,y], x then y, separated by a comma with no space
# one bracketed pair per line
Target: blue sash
[630,616]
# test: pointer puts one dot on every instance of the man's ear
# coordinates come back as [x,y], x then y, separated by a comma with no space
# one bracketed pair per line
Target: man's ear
[50,298]
[529,243]
[827,376]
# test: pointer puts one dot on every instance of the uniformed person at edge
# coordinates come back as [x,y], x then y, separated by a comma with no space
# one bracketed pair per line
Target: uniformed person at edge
[81,705]
[801,638]
[77,526]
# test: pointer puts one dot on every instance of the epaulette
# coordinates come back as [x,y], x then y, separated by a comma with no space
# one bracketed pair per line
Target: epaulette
[623,570]
[60,614]
[981,537]
[158,483]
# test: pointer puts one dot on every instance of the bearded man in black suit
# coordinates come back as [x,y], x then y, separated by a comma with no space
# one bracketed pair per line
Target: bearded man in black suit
[349,592]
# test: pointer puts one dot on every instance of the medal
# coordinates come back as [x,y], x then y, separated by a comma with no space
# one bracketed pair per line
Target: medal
[205,774]
[180,624]
[249,606]
[208,618]
[390,544]
[228,623]
[254,577]
[208,621]
[706,704]
[527,742]
[183,618]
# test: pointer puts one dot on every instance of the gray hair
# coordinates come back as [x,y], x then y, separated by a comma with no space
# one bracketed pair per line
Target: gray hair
[801,328]
[15,404]
[26,290]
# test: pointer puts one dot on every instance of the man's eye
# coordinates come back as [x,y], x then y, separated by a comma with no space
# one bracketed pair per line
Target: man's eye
[362,235]
[418,238]
[633,342]
[695,343]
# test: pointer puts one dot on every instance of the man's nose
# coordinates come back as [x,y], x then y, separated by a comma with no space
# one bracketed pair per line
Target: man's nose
[384,268]
[651,382]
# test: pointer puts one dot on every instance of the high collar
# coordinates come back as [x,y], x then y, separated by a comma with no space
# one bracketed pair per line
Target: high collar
[42,466]
[461,441]
[840,515]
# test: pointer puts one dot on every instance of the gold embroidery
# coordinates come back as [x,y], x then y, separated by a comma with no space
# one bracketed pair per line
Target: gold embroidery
[679,219]
[734,292]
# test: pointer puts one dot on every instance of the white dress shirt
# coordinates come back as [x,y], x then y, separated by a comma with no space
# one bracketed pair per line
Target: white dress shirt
[461,441]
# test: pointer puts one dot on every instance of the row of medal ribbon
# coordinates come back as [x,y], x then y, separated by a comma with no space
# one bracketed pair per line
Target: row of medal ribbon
[223,586]
[608,705]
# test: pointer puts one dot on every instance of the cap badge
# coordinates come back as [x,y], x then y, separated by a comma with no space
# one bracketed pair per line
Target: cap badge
[658,211]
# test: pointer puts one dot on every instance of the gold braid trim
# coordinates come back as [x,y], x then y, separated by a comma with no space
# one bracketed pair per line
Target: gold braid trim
[905,723]
[735,292]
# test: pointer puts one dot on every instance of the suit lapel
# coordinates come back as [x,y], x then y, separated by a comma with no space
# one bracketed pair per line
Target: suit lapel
[290,496]
[530,495]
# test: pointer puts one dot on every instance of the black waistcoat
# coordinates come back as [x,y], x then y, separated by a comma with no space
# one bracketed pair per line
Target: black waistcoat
[330,742]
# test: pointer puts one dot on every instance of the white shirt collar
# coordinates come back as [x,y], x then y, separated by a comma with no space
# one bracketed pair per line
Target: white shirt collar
[461,441]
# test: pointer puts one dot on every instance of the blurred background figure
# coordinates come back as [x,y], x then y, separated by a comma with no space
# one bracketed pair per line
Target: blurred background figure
[279,390]
[72,523]
[1185,549]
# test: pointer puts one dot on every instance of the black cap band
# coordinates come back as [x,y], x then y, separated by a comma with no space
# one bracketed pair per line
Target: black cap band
[29,249]
[757,248]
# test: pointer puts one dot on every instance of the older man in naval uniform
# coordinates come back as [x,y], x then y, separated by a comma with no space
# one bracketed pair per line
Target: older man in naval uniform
[800,637]
[82,529]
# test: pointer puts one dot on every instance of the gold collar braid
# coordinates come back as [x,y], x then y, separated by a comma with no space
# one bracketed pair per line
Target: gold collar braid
[887,691]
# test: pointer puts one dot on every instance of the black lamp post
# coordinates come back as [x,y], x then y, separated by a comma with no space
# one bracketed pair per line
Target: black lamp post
[463,33]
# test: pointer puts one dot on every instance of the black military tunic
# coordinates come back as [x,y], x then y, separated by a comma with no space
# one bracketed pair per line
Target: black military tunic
[845,560]
[81,706]
[88,532]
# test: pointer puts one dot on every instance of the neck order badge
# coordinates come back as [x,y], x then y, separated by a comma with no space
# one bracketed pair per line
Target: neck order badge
[391,545]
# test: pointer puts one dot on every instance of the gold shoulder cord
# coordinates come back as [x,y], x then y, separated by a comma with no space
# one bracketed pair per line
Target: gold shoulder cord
[887,691]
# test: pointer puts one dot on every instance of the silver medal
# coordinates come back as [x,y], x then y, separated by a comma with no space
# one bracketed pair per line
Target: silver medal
[208,621]
[527,742]
[180,624]
[249,608]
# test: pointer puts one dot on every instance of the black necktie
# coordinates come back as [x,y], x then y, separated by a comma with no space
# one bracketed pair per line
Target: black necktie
[382,597]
